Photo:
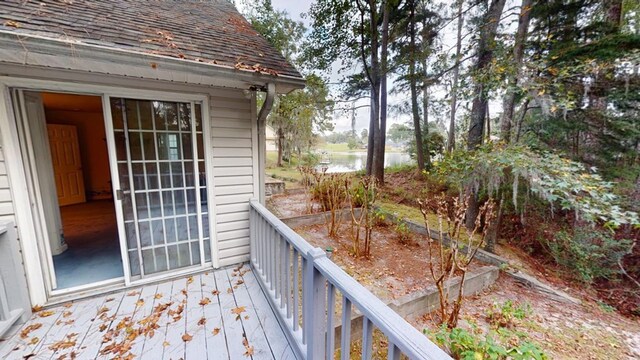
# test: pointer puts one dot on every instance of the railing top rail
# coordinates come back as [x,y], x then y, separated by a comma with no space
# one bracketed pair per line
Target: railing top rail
[300,244]
[402,334]
[407,338]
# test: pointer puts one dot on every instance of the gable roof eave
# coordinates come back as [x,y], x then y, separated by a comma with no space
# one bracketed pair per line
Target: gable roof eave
[38,51]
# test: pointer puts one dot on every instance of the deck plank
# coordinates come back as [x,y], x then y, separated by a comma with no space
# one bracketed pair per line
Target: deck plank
[234,331]
[196,348]
[144,307]
[214,328]
[250,320]
[104,320]
[154,346]
[20,348]
[175,346]
[78,320]
[270,325]
[127,308]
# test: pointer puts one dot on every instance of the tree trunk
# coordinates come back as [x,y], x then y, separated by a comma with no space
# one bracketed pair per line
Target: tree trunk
[480,99]
[509,101]
[425,111]
[374,79]
[451,142]
[381,140]
[414,91]
[485,55]
[280,145]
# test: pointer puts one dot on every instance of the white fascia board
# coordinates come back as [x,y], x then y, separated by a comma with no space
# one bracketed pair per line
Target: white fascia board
[37,51]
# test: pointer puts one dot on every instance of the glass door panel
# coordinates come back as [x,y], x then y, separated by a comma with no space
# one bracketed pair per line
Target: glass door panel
[161,164]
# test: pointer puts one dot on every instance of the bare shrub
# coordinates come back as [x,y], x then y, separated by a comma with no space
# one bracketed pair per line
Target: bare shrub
[448,261]
[329,191]
[362,196]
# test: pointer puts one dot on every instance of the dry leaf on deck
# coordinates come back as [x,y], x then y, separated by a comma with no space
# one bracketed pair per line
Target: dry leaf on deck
[158,296]
[12,23]
[238,311]
[189,279]
[216,292]
[205,301]
[36,308]
[133,293]
[109,300]
[68,305]
[215,331]
[25,332]
[66,314]
[46,313]
[165,343]
[186,337]
[140,302]
[34,340]
[202,321]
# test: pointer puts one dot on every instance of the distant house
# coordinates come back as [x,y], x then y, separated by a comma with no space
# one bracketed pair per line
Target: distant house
[272,141]
[131,142]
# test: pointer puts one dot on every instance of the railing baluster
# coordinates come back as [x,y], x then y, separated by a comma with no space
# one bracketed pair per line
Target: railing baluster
[275,261]
[367,338]
[283,262]
[331,313]
[305,304]
[393,353]
[287,288]
[260,235]
[296,290]
[345,329]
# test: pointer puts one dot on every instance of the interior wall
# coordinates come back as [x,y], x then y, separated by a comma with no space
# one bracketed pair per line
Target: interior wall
[93,148]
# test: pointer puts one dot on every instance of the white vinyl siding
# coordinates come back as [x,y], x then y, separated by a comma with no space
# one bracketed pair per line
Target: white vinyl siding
[6,203]
[232,127]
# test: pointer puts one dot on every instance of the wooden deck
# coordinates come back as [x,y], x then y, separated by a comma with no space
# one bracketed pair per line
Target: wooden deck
[216,315]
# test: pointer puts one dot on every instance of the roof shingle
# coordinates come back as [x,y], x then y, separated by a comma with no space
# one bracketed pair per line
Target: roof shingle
[209,31]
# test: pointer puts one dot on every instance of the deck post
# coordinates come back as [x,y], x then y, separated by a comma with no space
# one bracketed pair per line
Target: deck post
[314,320]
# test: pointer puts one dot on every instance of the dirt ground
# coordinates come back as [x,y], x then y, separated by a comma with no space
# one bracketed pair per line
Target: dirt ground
[394,269]
[562,330]
[590,330]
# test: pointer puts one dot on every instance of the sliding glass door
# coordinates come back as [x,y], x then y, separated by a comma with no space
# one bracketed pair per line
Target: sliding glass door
[159,150]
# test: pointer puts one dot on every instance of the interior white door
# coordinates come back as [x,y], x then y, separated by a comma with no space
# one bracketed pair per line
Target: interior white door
[162,191]
[67,164]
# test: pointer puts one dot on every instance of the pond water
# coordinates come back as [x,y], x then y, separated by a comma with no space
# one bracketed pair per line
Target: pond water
[354,161]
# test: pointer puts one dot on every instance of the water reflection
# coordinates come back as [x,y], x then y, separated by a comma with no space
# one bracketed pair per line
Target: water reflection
[354,161]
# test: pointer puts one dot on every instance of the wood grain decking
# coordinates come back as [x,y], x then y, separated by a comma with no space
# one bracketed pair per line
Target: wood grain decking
[215,315]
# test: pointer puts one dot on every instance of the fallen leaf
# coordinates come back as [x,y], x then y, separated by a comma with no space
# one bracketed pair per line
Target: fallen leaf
[239,310]
[12,23]
[68,305]
[202,321]
[103,327]
[205,301]
[158,296]
[189,279]
[140,302]
[249,351]
[46,313]
[25,332]
[165,343]
[133,293]
[109,300]
[36,308]
[240,282]
[215,331]
[229,291]
[186,337]
[34,340]
[216,292]
[246,317]
[66,314]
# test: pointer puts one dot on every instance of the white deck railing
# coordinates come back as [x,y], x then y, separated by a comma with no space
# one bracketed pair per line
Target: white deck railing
[13,306]
[302,285]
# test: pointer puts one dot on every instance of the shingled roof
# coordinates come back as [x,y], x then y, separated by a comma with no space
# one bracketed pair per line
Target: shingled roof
[207,31]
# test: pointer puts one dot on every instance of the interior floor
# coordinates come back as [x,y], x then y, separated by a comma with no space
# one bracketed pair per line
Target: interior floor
[91,232]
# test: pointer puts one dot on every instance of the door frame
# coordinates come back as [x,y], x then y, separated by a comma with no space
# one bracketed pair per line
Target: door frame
[38,272]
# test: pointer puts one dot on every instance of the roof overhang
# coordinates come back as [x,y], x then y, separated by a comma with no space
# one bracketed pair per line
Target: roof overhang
[37,51]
